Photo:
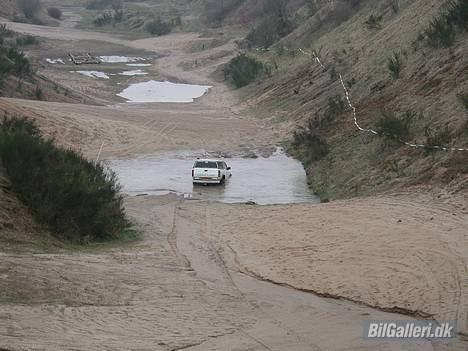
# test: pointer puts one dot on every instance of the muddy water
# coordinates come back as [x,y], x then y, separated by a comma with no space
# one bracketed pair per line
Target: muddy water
[277,179]
[154,91]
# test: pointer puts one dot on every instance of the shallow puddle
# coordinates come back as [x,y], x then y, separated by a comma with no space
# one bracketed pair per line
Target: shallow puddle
[137,72]
[277,179]
[119,59]
[94,74]
[156,91]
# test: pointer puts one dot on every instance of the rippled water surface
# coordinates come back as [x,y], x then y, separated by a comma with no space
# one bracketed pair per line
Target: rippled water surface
[273,180]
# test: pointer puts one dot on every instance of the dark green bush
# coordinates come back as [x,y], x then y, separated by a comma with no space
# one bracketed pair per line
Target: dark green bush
[374,22]
[308,144]
[158,27]
[336,105]
[395,127]
[54,12]
[12,61]
[38,93]
[25,40]
[216,11]
[464,100]
[5,31]
[244,69]
[103,19]
[440,32]
[269,31]
[30,8]
[395,65]
[437,137]
[443,28]
[79,200]
[21,66]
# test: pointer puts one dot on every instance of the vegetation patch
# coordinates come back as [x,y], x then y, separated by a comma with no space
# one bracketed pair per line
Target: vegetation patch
[216,11]
[243,70]
[79,200]
[395,65]
[269,31]
[308,144]
[395,127]
[443,28]
[25,40]
[30,8]
[464,100]
[54,12]
[437,137]
[374,22]
[275,25]
[158,27]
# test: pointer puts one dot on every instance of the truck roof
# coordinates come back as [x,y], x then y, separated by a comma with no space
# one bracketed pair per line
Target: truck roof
[208,160]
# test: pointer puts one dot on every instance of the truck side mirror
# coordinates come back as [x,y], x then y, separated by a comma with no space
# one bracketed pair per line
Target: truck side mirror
[229,168]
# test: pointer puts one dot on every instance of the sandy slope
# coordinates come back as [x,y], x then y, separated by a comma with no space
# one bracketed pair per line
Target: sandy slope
[391,252]
[180,288]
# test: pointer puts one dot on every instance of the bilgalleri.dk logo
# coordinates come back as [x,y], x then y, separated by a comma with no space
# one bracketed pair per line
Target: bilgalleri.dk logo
[409,329]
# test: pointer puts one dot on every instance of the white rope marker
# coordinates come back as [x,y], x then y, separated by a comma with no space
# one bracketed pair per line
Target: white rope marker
[354,110]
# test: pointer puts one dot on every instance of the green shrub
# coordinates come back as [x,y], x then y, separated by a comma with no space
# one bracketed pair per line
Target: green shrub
[76,198]
[374,22]
[395,65]
[464,100]
[21,66]
[103,19]
[25,40]
[437,137]
[244,69]
[38,93]
[395,127]
[395,6]
[54,12]
[335,106]
[158,27]
[269,31]
[30,8]
[5,31]
[441,31]
[308,144]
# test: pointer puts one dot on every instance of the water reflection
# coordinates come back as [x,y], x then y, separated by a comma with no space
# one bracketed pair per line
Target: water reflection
[273,180]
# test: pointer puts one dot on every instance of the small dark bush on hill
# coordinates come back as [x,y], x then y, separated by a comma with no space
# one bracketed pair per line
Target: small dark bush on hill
[30,8]
[158,27]
[54,12]
[443,28]
[243,70]
[308,144]
[395,127]
[25,40]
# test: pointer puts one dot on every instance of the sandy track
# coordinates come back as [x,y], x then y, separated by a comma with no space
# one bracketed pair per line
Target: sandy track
[358,250]
[181,288]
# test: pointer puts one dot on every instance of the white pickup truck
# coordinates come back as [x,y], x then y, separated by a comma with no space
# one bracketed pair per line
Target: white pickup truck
[210,172]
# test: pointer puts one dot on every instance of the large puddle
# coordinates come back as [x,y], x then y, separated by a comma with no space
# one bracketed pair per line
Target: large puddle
[155,91]
[277,179]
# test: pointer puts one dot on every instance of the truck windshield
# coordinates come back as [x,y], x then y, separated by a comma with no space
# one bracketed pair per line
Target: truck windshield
[205,164]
